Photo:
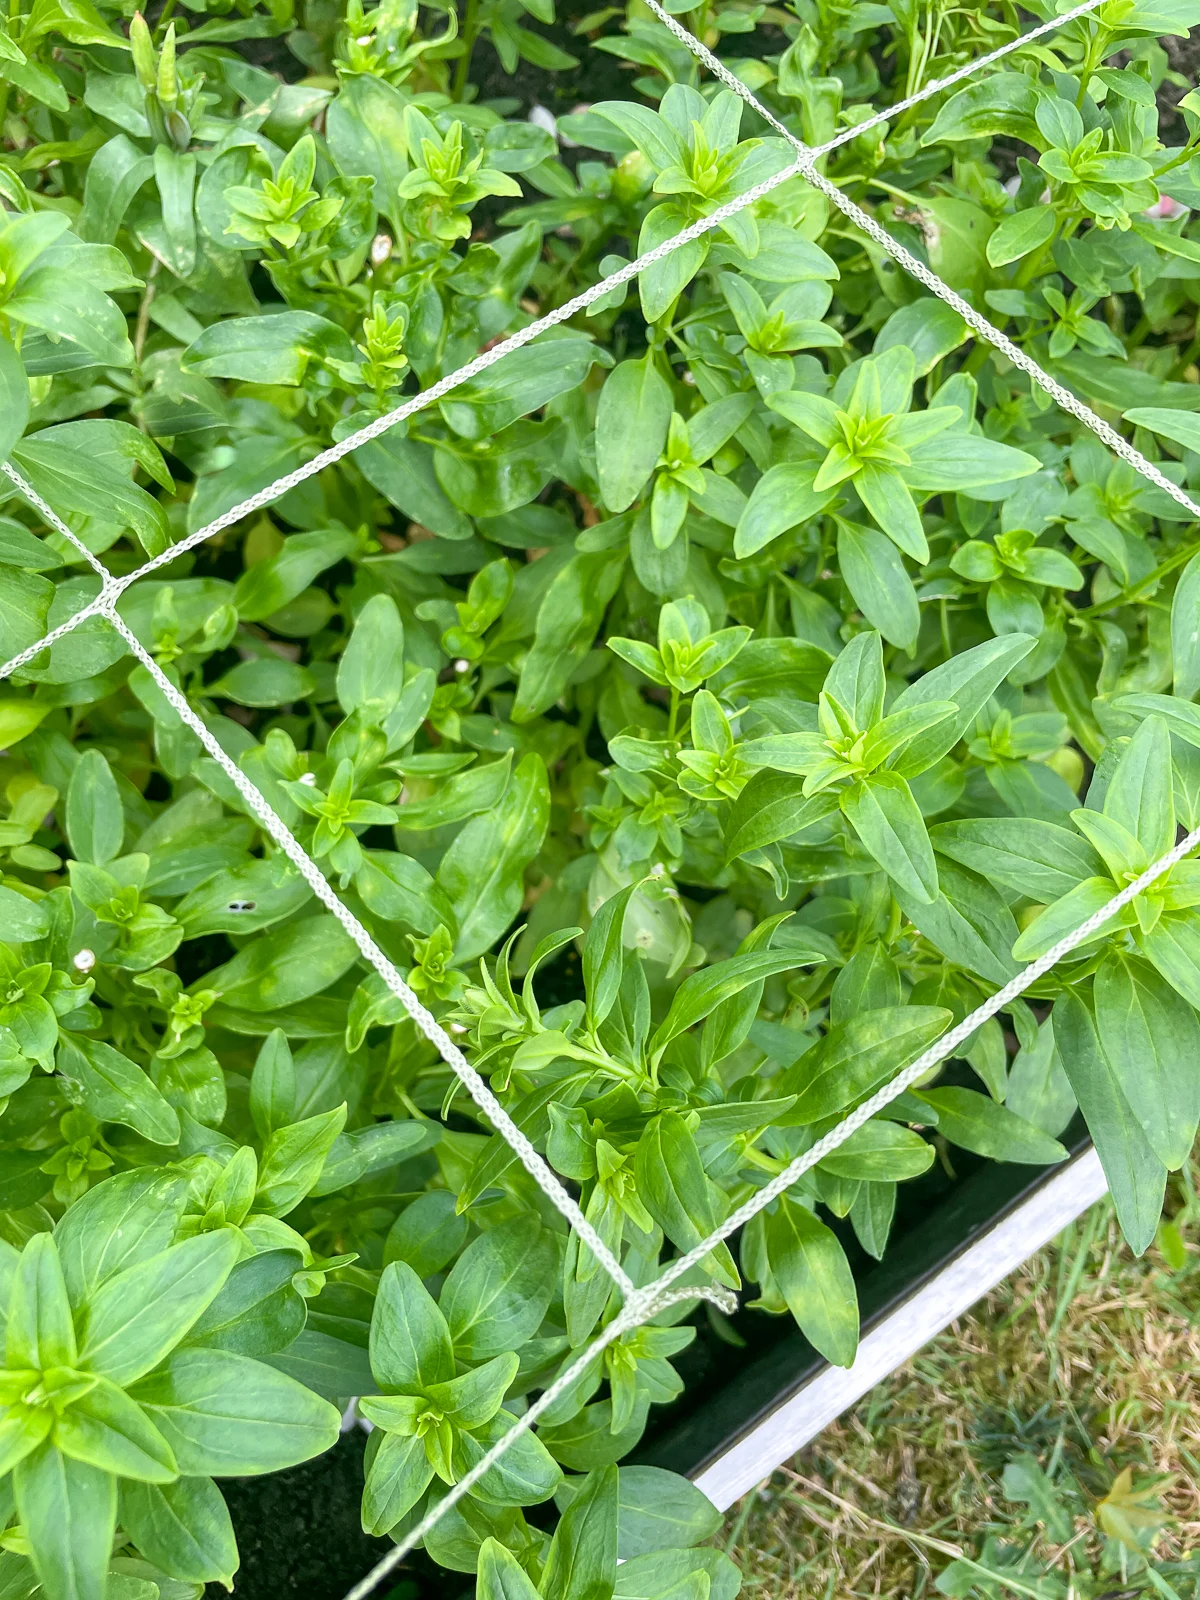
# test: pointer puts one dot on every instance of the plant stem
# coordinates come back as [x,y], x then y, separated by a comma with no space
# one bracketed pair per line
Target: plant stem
[143,317]
[470,33]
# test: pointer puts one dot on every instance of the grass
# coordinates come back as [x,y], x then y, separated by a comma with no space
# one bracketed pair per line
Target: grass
[1087,1360]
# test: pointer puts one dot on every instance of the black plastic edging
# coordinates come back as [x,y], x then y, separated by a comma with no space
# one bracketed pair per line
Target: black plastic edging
[898,1331]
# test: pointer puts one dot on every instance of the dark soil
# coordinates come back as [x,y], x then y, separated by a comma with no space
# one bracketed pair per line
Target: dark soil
[299,1535]
[1184,56]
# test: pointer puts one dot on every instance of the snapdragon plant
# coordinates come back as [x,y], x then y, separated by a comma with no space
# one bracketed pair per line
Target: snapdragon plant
[704,707]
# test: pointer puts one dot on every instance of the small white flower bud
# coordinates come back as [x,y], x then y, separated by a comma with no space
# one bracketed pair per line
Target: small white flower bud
[84,960]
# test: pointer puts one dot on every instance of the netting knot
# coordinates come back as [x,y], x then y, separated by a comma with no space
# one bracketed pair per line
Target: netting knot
[647,1302]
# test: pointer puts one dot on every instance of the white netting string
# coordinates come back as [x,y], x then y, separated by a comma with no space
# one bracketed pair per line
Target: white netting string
[308,869]
[570,308]
[639,1304]
[807,164]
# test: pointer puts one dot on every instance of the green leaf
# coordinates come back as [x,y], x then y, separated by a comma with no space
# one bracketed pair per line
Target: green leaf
[814,1277]
[135,1318]
[183,1528]
[292,1161]
[588,1441]
[483,870]
[410,1341]
[25,600]
[1176,425]
[604,953]
[22,919]
[14,397]
[1173,947]
[498,1290]
[773,806]
[465,794]
[976,1122]
[567,621]
[856,1056]
[969,922]
[257,1311]
[1180,716]
[67,306]
[40,1330]
[95,823]
[524,381]
[272,349]
[1151,1038]
[370,674]
[1021,234]
[1026,855]
[364,126]
[273,1085]
[403,472]
[282,968]
[330,1367]
[398,1476]
[882,589]
[662,283]
[701,993]
[965,461]
[660,1510]
[930,328]
[582,1558]
[885,494]
[501,1576]
[1003,103]
[175,172]
[1063,917]
[427,1234]
[887,819]
[525,1474]
[1038,1088]
[782,498]
[265,682]
[225,1415]
[475,1396]
[672,1184]
[1136,1177]
[1185,630]
[531,1115]
[968,681]
[1140,792]
[268,586]
[366,1151]
[106,1429]
[121,1222]
[879,1152]
[115,1090]
[69,1513]
[856,680]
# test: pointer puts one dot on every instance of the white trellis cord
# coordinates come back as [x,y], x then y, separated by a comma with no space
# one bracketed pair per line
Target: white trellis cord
[889,113]
[803,166]
[807,164]
[368,949]
[640,1303]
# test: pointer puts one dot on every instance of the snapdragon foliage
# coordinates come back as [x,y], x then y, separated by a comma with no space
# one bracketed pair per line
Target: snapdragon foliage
[704,707]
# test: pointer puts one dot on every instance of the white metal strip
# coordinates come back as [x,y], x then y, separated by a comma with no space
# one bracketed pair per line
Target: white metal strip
[906,1330]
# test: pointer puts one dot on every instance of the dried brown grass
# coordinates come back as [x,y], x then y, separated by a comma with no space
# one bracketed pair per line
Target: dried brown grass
[1083,1344]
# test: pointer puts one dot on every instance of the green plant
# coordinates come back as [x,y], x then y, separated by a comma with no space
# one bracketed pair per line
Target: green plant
[704,707]
[1026,1556]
